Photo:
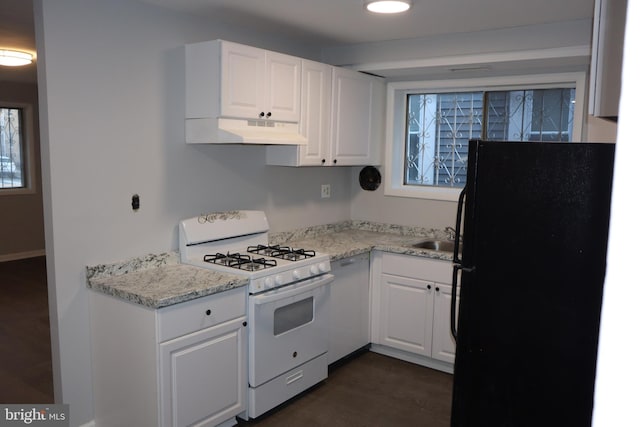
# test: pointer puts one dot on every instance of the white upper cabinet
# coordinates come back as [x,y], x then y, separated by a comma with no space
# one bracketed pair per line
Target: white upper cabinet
[242,82]
[342,119]
[315,120]
[282,99]
[357,116]
[231,80]
[259,84]
[606,57]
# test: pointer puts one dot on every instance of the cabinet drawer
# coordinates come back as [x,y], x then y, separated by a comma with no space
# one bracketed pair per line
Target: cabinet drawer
[191,316]
[417,267]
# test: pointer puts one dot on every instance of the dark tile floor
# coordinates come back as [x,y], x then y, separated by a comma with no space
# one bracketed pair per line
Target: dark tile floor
[370,390]
[25,350]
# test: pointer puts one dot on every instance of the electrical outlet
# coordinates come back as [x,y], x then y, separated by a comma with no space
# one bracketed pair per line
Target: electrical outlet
[325,191]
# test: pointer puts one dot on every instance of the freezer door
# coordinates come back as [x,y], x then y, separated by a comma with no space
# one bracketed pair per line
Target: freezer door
[535,237]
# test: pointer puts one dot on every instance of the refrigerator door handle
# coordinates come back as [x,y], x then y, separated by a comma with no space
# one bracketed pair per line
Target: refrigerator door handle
[454,292]
[456,264]
[454,289]
[456,242]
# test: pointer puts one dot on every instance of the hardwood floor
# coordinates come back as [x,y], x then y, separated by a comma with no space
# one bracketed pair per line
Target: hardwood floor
[25,355]
[370,390]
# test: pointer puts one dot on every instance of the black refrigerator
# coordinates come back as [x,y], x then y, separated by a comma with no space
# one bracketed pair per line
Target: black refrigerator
[535,221]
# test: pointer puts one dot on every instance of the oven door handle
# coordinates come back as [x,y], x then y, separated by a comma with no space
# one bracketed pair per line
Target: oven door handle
[293,290]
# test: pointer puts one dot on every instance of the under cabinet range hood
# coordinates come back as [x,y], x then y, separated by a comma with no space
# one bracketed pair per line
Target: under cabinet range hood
[242,131]
[238,94]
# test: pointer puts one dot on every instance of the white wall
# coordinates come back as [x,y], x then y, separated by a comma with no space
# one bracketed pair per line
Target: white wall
[111,97]
[618,374]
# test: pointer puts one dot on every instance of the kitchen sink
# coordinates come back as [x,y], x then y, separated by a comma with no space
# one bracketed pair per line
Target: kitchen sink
[437,245]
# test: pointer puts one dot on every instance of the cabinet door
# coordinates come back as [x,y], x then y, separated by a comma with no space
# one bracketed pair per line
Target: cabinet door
[282,97]
[406,314]
[349,307]
[315,113]
[443,346]
[606,57]
[203,376]
[243,81]
[315,120]
[356,118]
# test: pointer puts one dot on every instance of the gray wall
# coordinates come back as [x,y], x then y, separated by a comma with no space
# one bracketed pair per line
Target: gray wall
[376,207]
[21,223]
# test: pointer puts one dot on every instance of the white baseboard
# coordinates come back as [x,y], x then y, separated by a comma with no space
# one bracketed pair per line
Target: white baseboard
[413,358]
[21,255]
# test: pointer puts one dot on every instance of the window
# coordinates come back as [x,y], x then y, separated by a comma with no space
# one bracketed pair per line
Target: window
[439,126]
[16,151]
[430,124]
[11,158]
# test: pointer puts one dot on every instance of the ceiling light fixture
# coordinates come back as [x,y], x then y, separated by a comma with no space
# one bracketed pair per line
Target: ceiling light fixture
[15,58]
[387,6]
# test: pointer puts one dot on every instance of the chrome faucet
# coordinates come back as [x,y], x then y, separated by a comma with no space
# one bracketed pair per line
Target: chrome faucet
[451,233]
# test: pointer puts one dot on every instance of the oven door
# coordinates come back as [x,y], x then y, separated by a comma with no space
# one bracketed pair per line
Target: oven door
[287,327]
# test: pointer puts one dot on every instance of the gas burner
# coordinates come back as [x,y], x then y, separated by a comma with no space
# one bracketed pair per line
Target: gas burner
[229,260]
[240,261]
[290,254]
[267,250]
[257,264]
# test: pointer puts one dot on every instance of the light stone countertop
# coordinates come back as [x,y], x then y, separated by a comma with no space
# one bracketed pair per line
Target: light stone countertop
[347,243]
[343,240]
[157,281]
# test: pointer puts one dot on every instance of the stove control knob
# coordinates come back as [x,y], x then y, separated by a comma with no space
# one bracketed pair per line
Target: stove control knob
[296,274]
[268,282]
[314,270]
[279,280]
[324,267]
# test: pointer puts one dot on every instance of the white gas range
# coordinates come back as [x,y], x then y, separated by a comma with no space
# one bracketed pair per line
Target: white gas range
[288,296]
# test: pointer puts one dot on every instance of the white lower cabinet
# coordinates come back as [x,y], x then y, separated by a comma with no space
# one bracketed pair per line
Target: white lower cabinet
[182,365]
[349,306]
[443,346]
[193,370]
[411,299]
[406,314]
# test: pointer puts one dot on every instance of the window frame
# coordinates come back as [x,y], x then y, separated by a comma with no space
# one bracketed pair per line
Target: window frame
[27,139]
[396,120]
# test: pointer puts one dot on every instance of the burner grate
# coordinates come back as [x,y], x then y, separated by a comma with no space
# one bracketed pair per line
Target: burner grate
[240,261]
[290,254]
[267,250]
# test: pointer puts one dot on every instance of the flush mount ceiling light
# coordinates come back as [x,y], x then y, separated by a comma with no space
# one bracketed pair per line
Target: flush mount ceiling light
[387,6]
[14,58]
